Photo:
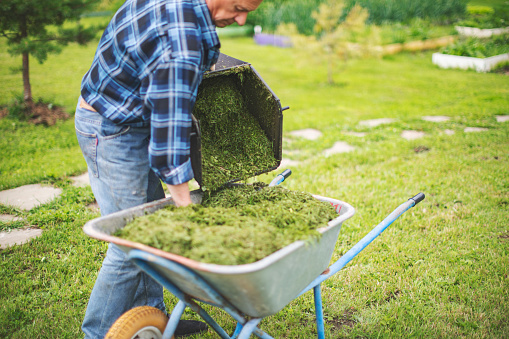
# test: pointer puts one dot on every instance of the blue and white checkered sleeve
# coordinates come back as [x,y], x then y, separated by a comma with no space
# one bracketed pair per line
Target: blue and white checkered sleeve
[172,94]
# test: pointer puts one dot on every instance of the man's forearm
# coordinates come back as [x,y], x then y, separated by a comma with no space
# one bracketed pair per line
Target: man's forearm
[180,194]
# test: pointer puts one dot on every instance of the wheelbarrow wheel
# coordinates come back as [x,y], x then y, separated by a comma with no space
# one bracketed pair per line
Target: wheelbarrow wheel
[144,322]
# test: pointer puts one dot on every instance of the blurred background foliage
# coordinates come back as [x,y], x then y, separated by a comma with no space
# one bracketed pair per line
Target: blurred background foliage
[406,18]
[271,13]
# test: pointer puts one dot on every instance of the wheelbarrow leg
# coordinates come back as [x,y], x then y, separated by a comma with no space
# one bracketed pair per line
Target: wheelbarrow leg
[319,312]
[238,328]
[249,328]
[174,320]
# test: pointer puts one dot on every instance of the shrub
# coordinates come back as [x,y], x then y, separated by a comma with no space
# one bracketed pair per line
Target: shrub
[479,48]
[415,29]
[381,11]
[484,17]
[272,13]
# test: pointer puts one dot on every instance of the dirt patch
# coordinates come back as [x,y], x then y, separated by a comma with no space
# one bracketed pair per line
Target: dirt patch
[36,113]
[346,319]
[504,236]
[421,148]
[392,296]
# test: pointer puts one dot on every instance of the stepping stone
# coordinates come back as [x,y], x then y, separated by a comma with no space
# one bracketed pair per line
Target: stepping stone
[286,163]
[339,147]
[376,122]
[308,133]
[287,140]
[412,135]
[449,132]
[94,207]
[9,218]
[18,237]
[502,118]
[475,129]
[436,118]
[29,196]
[81,180]
[356,134]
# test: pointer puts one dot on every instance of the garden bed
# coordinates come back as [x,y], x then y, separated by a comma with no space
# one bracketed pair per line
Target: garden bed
[480,32]
[480,54]
[463,62]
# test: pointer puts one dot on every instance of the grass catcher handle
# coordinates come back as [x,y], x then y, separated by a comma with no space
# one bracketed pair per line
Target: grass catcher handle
[281,177]
[196,161]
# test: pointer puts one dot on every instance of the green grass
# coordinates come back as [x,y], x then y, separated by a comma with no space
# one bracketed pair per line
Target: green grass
[496,4]
[439,271]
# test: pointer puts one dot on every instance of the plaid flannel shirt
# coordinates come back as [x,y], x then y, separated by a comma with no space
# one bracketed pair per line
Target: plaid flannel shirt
[147,68]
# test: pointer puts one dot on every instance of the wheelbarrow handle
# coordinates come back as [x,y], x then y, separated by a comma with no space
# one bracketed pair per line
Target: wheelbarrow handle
[375,232]
[418,198]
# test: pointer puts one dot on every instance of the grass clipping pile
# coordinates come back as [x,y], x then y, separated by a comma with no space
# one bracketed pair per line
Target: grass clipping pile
[234,145]
[234,226]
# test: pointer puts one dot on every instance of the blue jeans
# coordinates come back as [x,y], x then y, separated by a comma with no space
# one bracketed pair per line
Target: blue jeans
[120,176]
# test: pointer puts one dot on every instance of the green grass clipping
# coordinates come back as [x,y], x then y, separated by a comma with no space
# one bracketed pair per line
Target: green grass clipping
[234,146]
[237,225]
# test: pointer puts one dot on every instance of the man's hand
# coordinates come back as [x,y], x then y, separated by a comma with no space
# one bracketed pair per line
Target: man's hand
[180,194]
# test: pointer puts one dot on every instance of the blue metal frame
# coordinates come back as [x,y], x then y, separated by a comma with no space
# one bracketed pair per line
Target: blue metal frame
[245,327]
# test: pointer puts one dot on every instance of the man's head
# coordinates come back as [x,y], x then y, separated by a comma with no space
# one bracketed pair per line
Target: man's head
[226,12]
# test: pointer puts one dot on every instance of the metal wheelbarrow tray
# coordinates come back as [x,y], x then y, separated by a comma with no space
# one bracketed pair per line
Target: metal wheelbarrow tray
[258,289]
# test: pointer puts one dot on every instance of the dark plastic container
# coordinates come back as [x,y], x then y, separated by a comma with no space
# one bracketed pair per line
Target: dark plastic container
[261,103]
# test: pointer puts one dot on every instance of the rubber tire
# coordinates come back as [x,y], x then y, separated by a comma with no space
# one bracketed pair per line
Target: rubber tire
[135,320]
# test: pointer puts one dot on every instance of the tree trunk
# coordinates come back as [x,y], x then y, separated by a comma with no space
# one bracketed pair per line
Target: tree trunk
[330,69]
[27,89]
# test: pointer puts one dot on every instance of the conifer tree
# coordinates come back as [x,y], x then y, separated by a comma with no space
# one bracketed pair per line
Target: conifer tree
[35,28]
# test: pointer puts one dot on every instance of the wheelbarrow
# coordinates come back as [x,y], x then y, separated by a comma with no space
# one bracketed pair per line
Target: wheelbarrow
[248,292]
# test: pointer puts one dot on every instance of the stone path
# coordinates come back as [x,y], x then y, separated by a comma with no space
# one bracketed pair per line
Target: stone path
[412,135]
[502,118]
[26,198]
[474,129]
[376,122]
[31,196]
[9,218]
[18,236]
[308,133]
[81,180]
[436,118]
[338,147]
[342,147]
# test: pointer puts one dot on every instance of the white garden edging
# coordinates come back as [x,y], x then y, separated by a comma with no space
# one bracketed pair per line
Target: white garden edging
[480,33]
[478,64]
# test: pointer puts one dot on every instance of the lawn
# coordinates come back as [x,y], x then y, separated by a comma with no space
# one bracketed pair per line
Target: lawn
[441,270]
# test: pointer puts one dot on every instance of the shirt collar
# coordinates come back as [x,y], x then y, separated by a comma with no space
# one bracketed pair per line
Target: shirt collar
[208,29]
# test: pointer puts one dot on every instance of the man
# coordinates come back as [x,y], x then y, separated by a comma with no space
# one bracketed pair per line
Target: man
[133,122]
